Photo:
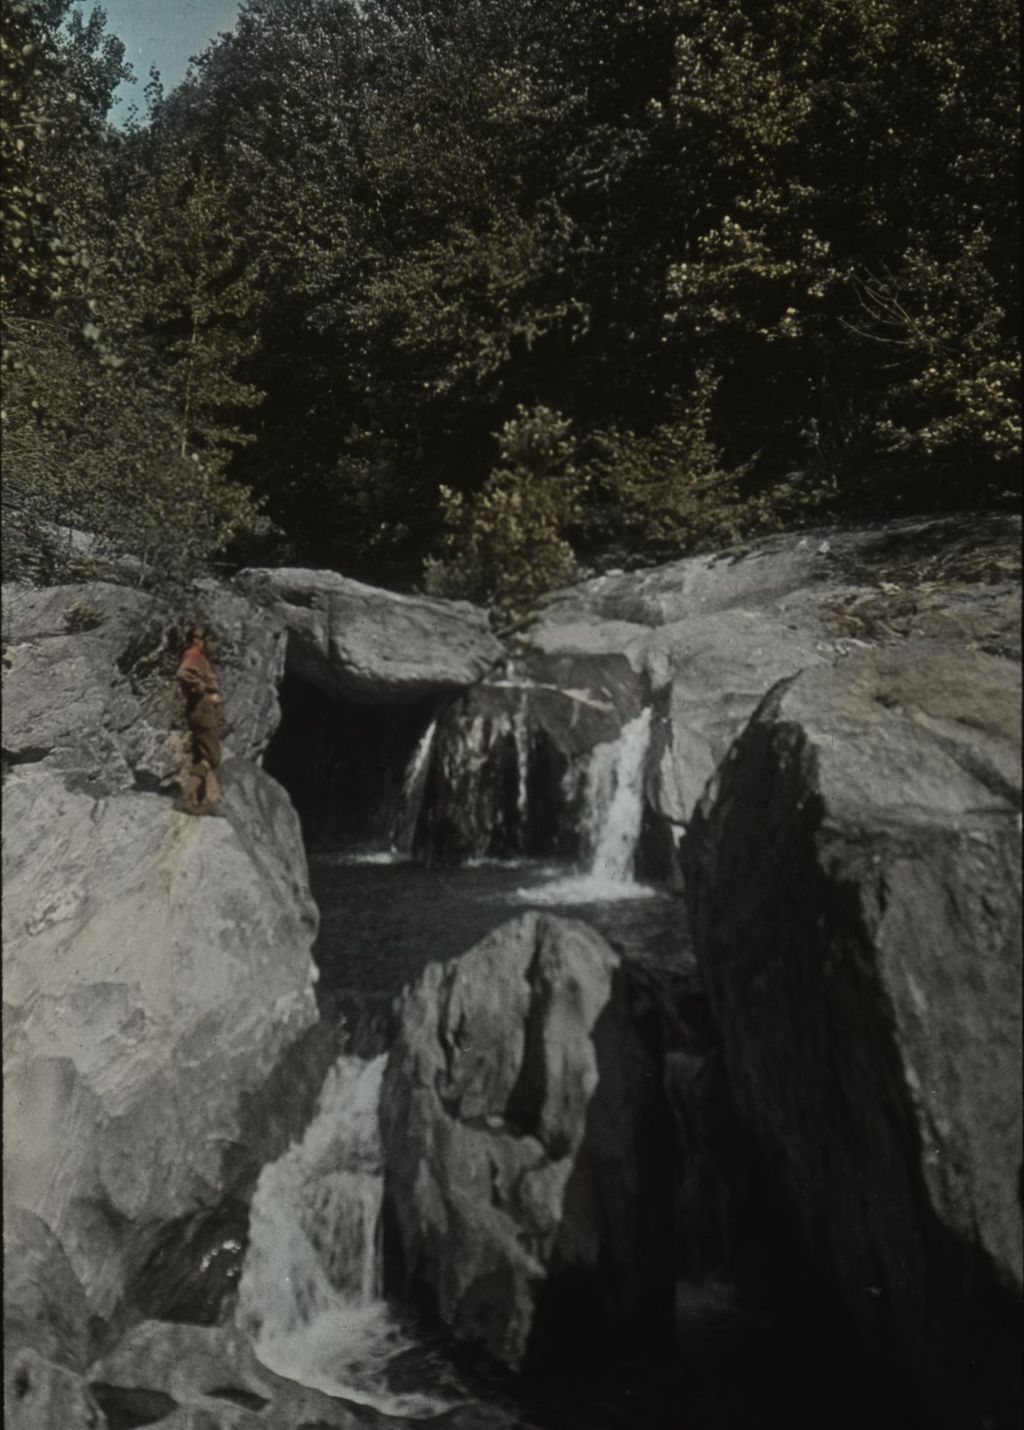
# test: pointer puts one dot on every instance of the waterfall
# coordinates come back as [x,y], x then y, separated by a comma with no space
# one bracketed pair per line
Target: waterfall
[521,741]
[613,811]
[310,1289]
[615,793]
[403,831]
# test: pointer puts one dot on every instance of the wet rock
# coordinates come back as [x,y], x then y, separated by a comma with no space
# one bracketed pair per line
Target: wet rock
[42,1395]
[157,969]
[358,642]
[209,1377]
[853,874]
[523,1131]
[511,753]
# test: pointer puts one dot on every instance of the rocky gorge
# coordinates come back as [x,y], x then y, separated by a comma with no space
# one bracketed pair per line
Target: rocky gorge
[563,1144]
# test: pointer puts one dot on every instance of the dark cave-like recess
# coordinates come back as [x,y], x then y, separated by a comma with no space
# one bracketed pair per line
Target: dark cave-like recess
[344,763]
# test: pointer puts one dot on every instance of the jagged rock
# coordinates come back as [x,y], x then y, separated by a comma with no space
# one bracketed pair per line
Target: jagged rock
[717,631]
[89,682]
[853,875]
[523,1136]
[509,753]
[357,642]
[719,668]
[44,1304]
[793,572]
[157,968]
[41,1395]
[249,653]
[209,1377]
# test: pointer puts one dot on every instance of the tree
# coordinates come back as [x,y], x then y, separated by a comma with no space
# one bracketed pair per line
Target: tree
[96,453]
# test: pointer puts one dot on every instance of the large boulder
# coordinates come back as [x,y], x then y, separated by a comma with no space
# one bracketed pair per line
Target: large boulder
[940,562]
[715,632]
[510,756]
[854,888]
[157,967]
[356,642]
[89,682]
[524,1141]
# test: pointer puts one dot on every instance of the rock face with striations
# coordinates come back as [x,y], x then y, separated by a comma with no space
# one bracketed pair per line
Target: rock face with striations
[157,966]
[46,1332]
[510,755]
[89,683]
[524,1133]
[356,642]
[714,633]
[854,886]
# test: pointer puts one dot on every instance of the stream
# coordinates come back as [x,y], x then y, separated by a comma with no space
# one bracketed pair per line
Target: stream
[311,1288]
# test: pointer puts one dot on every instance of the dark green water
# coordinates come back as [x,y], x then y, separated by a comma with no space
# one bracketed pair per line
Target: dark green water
[734,1366]
[382,922]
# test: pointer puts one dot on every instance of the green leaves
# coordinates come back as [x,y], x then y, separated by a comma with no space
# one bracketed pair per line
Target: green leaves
[468,290]
[507,545]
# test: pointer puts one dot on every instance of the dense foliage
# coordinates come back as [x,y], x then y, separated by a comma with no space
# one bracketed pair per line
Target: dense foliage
[470,291]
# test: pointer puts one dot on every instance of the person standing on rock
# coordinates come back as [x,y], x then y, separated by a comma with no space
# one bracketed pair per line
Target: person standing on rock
[204,712]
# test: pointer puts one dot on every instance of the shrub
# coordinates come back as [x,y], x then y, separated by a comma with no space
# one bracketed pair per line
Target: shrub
[506,545]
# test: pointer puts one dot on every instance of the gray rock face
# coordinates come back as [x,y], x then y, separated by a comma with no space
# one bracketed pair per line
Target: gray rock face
[519,1118]
[156,968]
[89,681]
[44,1304]
[717,632]
[509,752]
[360,643]
[192,1376]
[46,1332]
[854,886]
[42,1395]
[795,571]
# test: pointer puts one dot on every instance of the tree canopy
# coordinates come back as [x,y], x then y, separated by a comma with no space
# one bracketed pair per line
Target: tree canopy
[468,292]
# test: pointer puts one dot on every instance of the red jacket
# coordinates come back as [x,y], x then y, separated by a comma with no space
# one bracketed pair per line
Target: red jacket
[197,674]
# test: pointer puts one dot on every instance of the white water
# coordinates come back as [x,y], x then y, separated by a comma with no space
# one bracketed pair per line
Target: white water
[521,737]
[613,797]
[413,788]
[310,1294]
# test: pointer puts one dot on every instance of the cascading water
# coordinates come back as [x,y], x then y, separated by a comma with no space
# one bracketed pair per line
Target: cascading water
[613,805]
[310,1292]
[403,831]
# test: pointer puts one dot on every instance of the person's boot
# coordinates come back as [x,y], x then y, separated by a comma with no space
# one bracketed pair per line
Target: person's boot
[211,794]
[188,802]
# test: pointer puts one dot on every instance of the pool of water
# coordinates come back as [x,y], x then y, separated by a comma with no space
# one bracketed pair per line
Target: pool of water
[734,1366]
[382,920]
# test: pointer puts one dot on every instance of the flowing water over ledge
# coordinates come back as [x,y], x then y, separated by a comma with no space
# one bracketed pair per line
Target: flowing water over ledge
[311,1289]
[383,920]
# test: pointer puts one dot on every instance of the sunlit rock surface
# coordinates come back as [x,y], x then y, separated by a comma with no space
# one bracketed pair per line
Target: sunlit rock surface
[358,642]
[89,682]
[157,967]
[715,632]
[524,1131]
[854,885]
